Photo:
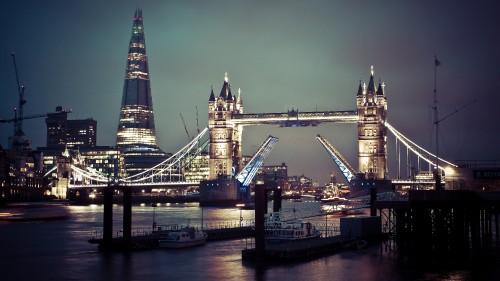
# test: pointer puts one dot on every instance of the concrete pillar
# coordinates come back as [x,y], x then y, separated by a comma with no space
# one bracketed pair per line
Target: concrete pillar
[260,207]
[497,233]
[277,199]
[108,217]
[373,198]
[127,217]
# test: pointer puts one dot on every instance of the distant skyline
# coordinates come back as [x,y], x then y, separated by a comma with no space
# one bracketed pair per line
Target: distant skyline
[307,55]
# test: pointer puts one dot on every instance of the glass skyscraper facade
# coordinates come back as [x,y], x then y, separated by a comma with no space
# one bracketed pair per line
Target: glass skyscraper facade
[136,133]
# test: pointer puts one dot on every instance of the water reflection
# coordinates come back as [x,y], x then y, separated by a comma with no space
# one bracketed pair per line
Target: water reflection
[58,250]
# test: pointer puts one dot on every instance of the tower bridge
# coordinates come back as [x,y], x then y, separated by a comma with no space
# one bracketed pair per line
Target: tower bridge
[225,129]
[226,121]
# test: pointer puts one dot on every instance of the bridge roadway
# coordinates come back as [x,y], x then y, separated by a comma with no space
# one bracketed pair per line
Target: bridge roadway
[295,118]
[136,186]
[180,184]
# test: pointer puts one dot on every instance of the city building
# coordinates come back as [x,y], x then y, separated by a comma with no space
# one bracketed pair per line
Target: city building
[62,132]
[197,169]
[20,176]
[278,173]
[136,134]
[56,165]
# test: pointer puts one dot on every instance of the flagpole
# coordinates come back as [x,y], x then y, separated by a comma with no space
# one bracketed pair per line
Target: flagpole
[436,122]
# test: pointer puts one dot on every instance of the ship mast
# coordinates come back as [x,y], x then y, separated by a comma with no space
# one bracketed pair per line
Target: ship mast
[437,174]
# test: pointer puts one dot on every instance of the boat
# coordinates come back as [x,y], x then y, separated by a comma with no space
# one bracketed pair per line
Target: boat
[333,199]
[278,232]
[183,238]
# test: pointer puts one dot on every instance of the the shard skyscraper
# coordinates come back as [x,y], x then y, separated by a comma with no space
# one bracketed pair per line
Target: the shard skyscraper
[136,133]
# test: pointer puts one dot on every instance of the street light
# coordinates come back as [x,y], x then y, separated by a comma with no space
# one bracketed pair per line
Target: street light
[241,216]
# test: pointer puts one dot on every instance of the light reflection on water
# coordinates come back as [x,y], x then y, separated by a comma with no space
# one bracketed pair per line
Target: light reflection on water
[58,250]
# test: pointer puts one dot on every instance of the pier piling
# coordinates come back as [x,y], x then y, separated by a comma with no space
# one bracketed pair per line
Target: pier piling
[108,217]
[127,217]
[260,207]
[277,199]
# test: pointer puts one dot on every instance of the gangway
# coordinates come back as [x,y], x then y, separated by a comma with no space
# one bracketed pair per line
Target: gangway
[344,166]
[248,172]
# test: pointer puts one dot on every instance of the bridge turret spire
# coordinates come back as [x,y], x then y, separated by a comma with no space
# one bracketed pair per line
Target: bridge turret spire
[371,84]
[360,89]
[239,102]
[225,87]
[380,89]
[229,97]
[212,95]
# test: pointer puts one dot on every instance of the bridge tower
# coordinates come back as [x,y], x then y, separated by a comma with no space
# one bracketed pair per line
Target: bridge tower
[225,137]
[372,133]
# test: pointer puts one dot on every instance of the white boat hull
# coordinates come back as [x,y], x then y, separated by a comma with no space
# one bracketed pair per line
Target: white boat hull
[181,244]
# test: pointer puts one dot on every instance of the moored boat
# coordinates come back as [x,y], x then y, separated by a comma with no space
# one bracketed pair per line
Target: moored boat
[277,231]
[183,238]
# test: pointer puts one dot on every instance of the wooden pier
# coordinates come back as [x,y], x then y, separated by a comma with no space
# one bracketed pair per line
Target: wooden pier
[442,226]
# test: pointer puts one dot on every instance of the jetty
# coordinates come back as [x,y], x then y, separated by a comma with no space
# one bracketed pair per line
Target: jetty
[143,239]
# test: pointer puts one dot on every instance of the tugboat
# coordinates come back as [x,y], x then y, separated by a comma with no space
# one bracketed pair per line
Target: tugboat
[277,231]
[183,238]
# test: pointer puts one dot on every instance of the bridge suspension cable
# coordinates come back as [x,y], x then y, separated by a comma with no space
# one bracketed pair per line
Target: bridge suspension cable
[166,165]
[89,174]
[160,171]
[418,150]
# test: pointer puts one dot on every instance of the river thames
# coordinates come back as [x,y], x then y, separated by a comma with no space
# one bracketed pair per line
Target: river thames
[59,250]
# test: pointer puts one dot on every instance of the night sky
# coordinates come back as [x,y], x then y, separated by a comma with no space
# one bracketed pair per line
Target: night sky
[307,55]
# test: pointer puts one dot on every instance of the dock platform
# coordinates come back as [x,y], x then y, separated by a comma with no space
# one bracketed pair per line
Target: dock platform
[305,249]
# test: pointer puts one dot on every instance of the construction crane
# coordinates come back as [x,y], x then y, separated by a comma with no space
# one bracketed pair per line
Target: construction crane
[17,119]
[185,128]
[197,125]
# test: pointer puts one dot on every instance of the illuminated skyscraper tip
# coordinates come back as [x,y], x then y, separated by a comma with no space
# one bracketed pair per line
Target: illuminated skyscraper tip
[371,70]
[239,91]
[225,77]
